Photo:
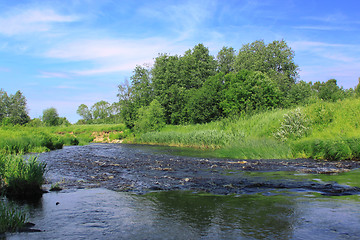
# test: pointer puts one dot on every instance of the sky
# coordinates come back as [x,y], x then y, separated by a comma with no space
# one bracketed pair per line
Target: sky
[63,53]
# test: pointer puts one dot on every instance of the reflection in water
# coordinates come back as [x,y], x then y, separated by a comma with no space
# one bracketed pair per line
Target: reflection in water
[105,214]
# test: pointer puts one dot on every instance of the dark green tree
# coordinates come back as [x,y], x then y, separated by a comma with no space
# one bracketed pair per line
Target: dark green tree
[203,104]
[248,91]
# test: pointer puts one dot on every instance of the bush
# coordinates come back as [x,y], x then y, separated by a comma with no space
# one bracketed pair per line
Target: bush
[294,126]
[150,118]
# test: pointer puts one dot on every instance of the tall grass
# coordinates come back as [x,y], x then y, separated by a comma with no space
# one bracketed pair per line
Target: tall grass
[11,218]
[21,178]
[19,139]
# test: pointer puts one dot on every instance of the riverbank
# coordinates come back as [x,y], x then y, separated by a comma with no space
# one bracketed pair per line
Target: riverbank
[322,130]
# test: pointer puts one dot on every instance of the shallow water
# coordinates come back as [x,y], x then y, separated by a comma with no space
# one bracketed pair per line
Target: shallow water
[106,214]
[98,212]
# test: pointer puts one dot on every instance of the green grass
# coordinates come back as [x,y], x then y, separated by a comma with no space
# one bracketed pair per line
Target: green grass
[333,133]
[22,139]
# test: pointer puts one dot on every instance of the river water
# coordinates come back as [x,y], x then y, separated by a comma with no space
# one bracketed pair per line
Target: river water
[95,211]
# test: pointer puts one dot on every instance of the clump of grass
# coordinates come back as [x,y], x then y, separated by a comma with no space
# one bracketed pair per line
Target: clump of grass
[55,187]
[11,219]
[22,177]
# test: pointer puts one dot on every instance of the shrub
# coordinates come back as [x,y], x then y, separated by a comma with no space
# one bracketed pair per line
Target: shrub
[294,126]
[150,118]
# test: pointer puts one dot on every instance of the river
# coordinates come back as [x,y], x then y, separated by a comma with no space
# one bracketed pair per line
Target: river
[113,191]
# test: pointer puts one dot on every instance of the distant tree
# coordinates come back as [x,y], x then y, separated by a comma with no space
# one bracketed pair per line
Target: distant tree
[100,110]
[50,117]
[13,108]
[225,59]
[84,112]
[276,59]
[300,93]
[329,90]
[4,102]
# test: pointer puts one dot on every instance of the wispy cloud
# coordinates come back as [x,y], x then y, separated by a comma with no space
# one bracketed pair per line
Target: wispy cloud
[323,28]
[54,75]
[32,21]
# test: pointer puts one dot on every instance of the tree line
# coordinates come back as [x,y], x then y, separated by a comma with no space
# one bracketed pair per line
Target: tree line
[198,87]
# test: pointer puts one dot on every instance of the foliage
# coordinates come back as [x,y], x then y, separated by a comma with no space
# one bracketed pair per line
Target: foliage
[203,105]
[225,60]
[150,118]
[329,90]
[248,91]
[294,126]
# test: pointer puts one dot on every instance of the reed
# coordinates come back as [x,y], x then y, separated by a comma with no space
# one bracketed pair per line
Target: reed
[11,218]
[22,178]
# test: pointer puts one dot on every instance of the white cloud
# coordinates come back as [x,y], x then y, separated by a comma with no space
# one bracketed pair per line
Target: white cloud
[32,21]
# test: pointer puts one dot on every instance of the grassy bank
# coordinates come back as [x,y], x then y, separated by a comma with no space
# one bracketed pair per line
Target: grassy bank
[22,139]
[322,130]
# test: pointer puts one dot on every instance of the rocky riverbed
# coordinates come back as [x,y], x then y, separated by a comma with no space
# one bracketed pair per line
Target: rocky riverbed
[134,168]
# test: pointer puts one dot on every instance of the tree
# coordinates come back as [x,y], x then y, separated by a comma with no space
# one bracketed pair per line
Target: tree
[203,104]
[4,99]
[50,117]
[100,110]
[300,93]
[225,59]
[13,108]
[329,90]
[276,59]
[84,112]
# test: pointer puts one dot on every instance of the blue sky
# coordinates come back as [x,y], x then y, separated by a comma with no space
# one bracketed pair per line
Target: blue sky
[64,53]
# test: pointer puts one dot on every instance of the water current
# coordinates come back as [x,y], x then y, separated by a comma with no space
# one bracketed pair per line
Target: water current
[92,207]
